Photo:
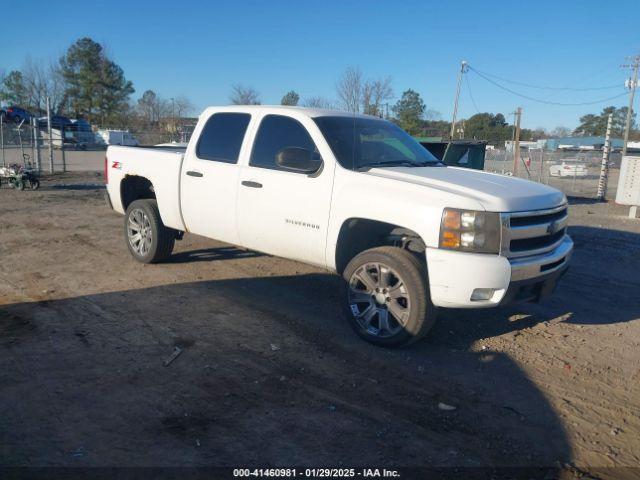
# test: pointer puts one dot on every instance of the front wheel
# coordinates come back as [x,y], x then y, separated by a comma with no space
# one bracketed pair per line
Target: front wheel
[386,295]
[34,184]
[148,239]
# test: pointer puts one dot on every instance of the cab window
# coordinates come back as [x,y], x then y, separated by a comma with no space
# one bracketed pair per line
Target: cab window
[275,133]
[222,137]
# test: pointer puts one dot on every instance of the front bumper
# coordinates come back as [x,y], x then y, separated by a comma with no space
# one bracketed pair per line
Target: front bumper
[453,276]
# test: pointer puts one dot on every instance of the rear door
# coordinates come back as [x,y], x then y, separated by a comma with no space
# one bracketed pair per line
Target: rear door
[209,177]
[282,212]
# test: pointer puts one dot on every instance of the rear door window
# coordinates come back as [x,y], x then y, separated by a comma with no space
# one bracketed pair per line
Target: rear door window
[222,137]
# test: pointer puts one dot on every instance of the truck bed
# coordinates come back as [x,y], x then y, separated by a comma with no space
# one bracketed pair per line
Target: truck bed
[160,165]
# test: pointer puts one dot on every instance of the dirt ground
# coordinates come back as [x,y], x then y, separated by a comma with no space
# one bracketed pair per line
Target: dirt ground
[270,373]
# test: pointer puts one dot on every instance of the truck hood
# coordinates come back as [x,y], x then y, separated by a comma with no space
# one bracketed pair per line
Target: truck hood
[496,193]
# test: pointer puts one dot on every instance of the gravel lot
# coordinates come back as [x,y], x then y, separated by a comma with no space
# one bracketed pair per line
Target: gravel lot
[270,373]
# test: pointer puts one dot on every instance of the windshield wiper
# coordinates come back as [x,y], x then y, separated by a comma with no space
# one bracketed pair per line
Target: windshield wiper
[397,163]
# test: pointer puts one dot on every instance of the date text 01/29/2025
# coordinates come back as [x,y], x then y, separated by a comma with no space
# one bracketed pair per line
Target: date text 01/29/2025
[316,472]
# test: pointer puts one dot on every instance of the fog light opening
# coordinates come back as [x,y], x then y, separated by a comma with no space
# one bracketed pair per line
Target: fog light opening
[480,294]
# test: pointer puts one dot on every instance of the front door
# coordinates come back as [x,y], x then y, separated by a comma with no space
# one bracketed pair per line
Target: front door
[282,212]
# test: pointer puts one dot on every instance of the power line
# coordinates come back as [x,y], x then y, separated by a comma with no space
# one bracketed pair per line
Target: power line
[584,89]
[507,89]
[473,100]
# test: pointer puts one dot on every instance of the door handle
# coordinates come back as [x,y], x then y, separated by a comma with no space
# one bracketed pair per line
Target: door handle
[193,173]
[251,184]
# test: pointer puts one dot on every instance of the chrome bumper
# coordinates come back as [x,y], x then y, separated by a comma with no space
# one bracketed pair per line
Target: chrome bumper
[531,267]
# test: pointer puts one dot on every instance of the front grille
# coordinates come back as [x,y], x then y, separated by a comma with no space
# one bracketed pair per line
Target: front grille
[534,232]
[535,243]
[537,219]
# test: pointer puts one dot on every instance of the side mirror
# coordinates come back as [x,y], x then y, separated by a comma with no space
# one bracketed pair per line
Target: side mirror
[298,160]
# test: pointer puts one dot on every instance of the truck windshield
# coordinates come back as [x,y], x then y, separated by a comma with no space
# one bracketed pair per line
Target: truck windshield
[360,143]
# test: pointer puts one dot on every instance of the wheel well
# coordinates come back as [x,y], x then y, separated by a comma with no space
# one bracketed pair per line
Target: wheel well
[360,234]
[133,188]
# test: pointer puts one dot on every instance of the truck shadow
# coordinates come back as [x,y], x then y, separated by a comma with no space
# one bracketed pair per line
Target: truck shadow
[212,254]
[269,374]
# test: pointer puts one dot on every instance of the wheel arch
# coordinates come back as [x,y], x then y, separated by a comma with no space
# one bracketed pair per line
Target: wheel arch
[135,187]
[357,234]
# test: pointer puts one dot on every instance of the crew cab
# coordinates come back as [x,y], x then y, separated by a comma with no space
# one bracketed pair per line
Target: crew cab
[353,194]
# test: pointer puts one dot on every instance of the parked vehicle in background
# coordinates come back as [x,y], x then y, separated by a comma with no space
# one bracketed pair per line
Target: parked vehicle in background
[59,122]
[80,125]
[80,134]
[16,115]
[118,137]
[356,195]
[566,169]
[459,153]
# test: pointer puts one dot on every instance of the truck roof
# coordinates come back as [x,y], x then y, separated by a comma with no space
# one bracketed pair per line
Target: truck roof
[311,112]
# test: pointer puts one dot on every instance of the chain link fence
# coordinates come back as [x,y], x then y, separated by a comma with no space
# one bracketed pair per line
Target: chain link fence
[576,173]
[68,149]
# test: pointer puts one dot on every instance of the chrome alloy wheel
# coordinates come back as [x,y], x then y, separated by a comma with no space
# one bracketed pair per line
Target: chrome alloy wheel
[139,232]
[379,299]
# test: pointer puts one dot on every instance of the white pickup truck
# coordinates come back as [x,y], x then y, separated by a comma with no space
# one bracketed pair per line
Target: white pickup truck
[353,194]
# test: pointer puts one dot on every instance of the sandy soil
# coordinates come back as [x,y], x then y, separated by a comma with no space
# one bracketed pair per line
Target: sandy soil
[271,374]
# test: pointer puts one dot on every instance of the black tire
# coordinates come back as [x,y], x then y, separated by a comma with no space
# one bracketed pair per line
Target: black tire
[19,184]
[411,275]
[34,184]
[162,237]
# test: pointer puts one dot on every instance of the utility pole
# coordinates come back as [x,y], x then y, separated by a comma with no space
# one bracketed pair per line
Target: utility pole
[463,69]
[173,119]
[2,137]
[604,167]
[36,144]
[632,91]
[516,142]
[50,136]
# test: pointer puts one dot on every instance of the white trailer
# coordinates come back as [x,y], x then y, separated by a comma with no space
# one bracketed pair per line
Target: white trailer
[118,137]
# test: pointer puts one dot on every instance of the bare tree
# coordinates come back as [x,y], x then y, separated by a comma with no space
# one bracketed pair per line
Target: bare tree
[241,95]
[182,106]
[560,132]
[290,98]
[317,102]
[431,115]
[153,108]
[57,88]
[374,94]
[41,81]
[349,89]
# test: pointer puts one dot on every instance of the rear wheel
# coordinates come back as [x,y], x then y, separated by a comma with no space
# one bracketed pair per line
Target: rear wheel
[386,297]
[34,184]
[148,239]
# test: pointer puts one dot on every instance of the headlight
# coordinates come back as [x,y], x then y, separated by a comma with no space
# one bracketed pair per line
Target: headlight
[470,231]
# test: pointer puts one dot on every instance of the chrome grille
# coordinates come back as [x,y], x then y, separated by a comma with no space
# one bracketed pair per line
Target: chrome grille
[533,233]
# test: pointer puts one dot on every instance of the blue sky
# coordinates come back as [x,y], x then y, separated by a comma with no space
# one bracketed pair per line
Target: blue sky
[200,49]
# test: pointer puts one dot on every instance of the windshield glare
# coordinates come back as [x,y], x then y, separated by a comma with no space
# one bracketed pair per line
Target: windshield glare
[363,142]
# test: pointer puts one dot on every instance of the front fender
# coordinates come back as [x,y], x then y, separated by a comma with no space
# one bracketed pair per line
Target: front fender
[415,207]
